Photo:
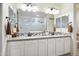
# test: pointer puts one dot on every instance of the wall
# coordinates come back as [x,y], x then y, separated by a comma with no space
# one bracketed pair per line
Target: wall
[76,23]
[0,29]
[50,23]
[65,9]
[5,12]
[77,17]
[69,8]
[4,38]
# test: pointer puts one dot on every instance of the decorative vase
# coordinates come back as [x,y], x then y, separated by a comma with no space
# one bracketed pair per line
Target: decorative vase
[70,29]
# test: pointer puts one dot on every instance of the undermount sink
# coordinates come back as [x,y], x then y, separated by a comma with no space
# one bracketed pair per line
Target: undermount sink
[41,34]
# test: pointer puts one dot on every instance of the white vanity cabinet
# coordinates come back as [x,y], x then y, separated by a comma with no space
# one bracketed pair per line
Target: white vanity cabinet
[51,47]
[67,45]
[31,48]
[15,48]
[42,47]
[59,46]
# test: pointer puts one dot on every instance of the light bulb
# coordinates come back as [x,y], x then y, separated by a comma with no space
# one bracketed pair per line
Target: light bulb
[50,12]
[56,12]
[23,7]
[47,11]
[53,11]
[35,9]
[29,8]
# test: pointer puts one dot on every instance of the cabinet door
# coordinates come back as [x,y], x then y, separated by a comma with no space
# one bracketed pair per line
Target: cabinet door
[59,46]
[15,48]
[31,48]
[67,45]
[51,47]
[42,47]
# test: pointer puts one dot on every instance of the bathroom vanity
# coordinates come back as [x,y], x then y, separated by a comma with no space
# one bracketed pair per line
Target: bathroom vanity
[53,45]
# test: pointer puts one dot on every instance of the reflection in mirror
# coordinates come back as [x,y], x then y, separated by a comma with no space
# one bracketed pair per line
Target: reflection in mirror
[62,22]
[31,21]
[65,21]
[12,16]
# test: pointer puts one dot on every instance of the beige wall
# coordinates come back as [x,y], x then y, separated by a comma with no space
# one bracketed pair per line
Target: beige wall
[4,14]
[77,17]
[0,29]
[50,23]
[4,11]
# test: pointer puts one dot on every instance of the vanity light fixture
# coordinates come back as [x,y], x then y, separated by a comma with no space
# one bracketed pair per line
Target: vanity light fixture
[52,11]
[29,7]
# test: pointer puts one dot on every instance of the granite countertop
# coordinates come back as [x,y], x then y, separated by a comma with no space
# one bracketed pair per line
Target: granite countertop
[36,37]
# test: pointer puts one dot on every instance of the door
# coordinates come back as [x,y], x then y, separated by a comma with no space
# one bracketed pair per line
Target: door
[31,48]
[67,45]
[15,48]
[42,47]
[51,47]
[59,46]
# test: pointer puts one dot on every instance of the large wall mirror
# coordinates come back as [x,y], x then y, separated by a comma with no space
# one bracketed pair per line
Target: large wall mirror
[58,22]
[62,22]
[65,21]
[31,21]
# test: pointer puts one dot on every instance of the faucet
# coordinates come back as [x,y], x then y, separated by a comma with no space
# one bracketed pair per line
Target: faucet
[43,33]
